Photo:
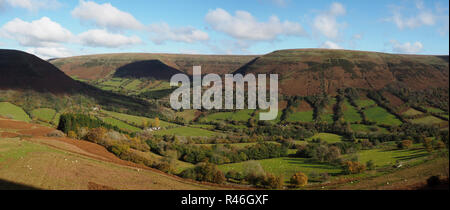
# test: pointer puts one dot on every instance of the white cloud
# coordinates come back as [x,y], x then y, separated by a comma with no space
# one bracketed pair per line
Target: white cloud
[31,5]
[407,47]
[326,22]
[50,52]
[163,32]
[330,45]
[102,38]
[38,33]
[281,3]
[244,26]
[106,16]
[423,17]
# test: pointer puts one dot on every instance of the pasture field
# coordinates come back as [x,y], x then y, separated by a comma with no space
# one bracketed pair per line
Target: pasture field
[367,128]
[43,114]
[428,120]
[328,113]
[434,110]
[187,115]
[350,113]
[240,115]
[114,82]
[286,166]
[12,111]
[328,137]
[238,145]
[135,120]
[121,125]
[133,85]
[381,116]
[412,112]
[307,116]
[204,126]
[383,157]
[187,131]
[364,102]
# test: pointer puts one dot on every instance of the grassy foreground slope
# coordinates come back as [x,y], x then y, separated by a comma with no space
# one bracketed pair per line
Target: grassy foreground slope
[41,162]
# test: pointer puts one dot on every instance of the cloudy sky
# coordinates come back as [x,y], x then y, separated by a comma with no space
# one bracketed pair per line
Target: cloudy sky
[61,28]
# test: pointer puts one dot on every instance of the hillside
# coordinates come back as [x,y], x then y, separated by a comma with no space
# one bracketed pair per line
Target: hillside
[30,82]
[31,160]
[95,67]
[313,71]
[20,70]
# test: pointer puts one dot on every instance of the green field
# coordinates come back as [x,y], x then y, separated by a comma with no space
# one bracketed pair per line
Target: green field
[43,114]
[10,152]
[286,166]
[301,117]
[135,120]
[434,110]
[350,113]
[367,128]
[381,116]
[133,85]
[12,111]
[328,137]
[390,157]
[121,125]
[428,120]
[364,103]
[412,112]
[187,115]
[241,115]
[187,131]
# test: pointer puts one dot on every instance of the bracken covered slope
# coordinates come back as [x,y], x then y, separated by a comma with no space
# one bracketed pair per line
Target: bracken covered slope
[95,67]
[313,71]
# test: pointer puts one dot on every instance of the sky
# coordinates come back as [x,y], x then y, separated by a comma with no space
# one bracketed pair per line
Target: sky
[63,28]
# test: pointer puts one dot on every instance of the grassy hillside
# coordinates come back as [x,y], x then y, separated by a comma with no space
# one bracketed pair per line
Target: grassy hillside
[14,112]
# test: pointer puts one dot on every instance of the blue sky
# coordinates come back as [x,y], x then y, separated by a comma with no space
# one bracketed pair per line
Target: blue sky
[57,28]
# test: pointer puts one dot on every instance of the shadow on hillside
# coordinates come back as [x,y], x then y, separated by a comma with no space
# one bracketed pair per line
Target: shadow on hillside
[147,69]
[8,185]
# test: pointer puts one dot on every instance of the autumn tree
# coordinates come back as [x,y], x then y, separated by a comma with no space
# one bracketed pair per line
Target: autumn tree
[299,179]
[405,144]
[353,167]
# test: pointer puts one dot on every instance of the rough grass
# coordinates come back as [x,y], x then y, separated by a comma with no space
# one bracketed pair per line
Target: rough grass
[12,111]
[328,137]
[43,114]
[44,167]
[381,116]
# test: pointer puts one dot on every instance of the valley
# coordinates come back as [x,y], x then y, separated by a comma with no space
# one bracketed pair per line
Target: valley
[345,118]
